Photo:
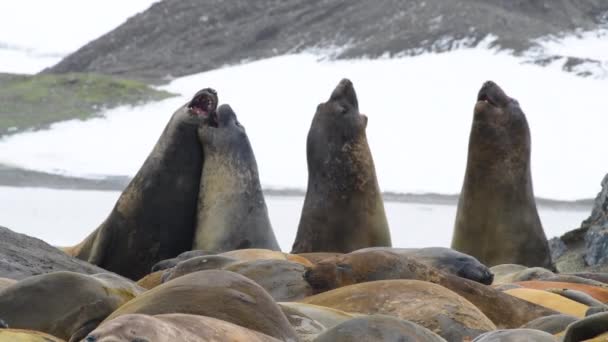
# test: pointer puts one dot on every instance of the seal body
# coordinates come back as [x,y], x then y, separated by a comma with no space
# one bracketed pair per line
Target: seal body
[497,221]
[64,304]
[343,209]
[154,218]
[232,212]
[173,327]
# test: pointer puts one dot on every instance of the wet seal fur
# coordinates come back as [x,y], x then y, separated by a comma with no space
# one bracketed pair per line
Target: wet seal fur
[497,221]
[154,218]
[232,213]
[343,209]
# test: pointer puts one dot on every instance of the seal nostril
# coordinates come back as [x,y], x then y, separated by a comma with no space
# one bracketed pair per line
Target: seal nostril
[91,338]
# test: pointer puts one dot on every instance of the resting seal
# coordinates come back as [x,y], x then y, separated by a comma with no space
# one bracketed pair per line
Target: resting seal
[67,305]
[232,213]
[343,209]
[432,306]
[154,218]
[220,294]
[497,221]
[378,328]
[172,327]
[360,267]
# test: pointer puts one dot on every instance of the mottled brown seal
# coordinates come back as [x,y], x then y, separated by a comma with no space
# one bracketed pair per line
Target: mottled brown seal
[343,209]
[497,221]
[232,212]
[154,218]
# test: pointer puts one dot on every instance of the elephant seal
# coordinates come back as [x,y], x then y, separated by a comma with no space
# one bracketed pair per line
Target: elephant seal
[202,263]
[310,320]
[67,305]
[154,218]
[172,327]
[587,328]
[552,324]
[550,300]
[282,279]
[18,335]
[359,267]
[168,263]
[232,213]
[516,335]
[220,294]
[432,306]
[599,293]
[497,221]
[343,209]
[265,254]
[380,328]
[446,260]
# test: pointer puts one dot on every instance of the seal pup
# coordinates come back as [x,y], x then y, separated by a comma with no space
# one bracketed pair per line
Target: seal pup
[497,221]
[343,210]
[154,218]
[232,213]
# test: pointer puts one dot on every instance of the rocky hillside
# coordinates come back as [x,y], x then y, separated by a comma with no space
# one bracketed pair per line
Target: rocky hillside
[180,37]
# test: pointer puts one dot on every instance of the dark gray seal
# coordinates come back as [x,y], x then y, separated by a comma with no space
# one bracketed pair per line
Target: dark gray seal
[343,209]
[444,259]
[497,221]
[378,328]
[67,305]
[154,218]
[232,213]
[587,328]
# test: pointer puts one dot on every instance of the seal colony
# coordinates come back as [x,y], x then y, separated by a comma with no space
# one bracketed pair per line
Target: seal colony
[193,229]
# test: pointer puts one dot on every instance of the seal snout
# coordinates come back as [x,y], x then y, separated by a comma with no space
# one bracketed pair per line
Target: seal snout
[345,91]
[225,115]
[204,105]
[492,94]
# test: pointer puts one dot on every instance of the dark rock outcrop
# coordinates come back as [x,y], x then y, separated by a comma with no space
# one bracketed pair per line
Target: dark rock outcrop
[22,256]
[585,248]
[181,37]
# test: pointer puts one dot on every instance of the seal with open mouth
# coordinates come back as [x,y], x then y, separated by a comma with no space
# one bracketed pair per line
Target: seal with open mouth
[154,218]
[232,212]
[343,209]
[497,221]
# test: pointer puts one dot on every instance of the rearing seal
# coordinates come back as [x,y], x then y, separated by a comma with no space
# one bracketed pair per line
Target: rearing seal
[232,213]
[497,221]
[154,218]
[343,209]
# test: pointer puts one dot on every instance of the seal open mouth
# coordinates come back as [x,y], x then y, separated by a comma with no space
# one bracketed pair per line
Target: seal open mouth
[204,104]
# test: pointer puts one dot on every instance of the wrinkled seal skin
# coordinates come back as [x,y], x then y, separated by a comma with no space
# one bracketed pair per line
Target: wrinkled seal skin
[497,221]
[232,213]
[154,218]
[343,209]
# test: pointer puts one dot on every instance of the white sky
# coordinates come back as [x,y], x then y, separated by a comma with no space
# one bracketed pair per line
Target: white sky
[62,26]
